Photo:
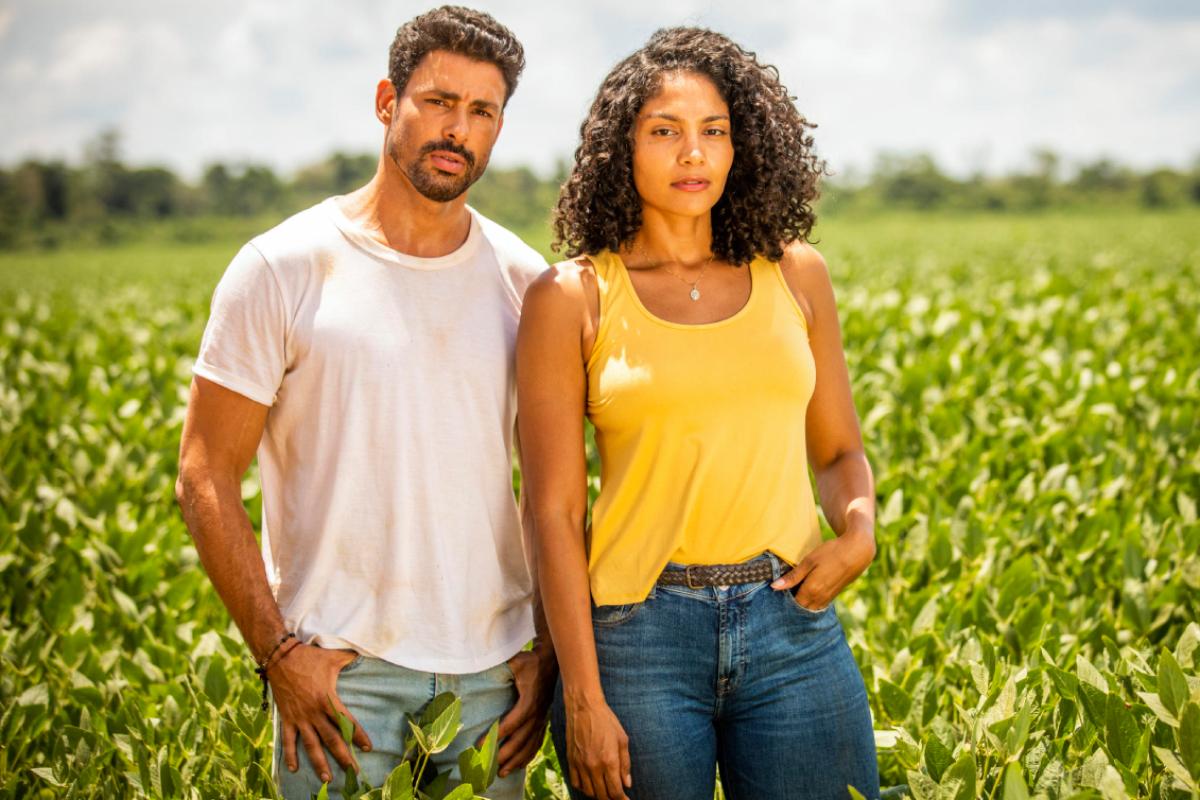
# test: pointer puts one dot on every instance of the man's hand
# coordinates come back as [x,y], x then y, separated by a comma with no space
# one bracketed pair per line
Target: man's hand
[824,572]
[523,728]
[304,686]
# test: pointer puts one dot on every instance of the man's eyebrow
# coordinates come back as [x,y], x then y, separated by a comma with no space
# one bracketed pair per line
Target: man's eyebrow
[445,94]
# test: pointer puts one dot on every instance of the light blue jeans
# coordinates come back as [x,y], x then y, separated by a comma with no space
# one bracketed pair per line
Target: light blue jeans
[741,677]
[378,693]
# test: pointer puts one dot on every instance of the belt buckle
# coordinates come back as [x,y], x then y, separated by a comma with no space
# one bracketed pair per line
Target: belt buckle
[687,572]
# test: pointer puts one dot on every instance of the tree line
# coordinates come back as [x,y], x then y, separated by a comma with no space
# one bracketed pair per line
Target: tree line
[48,202]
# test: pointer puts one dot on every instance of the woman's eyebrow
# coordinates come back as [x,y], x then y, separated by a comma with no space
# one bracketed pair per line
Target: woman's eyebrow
[673,118]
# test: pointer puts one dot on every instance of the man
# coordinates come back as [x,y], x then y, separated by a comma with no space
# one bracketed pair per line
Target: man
[364,347]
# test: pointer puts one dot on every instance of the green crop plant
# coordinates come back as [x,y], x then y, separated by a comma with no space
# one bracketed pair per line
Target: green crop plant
[1029,390]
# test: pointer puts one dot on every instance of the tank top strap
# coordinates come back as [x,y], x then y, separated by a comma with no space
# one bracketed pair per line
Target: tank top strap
[610,283]
[769,275]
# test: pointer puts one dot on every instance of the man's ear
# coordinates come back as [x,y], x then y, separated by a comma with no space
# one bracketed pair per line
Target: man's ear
[385,101]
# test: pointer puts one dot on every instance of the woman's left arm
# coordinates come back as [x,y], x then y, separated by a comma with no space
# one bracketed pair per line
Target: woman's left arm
[845,486]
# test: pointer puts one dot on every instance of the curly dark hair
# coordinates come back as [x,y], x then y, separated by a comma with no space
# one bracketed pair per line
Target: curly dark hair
[772,184]
[464,31]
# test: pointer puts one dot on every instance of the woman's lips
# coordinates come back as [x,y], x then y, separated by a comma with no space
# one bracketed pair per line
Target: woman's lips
[447,163]
[691,185]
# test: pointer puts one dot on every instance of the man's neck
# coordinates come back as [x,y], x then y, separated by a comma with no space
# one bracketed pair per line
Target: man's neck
[397,215]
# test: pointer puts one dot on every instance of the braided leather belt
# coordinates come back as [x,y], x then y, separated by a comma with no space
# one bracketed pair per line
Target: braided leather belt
[697,576]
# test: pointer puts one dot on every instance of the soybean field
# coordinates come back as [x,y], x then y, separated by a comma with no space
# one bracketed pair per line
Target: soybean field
[1029,389]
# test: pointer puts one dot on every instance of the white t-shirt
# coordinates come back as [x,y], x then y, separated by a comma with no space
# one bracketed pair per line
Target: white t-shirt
[389,524]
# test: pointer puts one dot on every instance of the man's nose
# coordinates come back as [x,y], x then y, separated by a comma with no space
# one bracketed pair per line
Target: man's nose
[456,126]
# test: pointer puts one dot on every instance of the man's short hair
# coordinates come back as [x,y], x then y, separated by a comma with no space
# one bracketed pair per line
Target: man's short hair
[459,30]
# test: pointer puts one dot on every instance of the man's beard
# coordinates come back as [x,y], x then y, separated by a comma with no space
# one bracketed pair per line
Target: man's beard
[432,183]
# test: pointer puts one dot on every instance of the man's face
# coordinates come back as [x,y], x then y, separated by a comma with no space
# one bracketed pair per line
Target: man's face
[445,122]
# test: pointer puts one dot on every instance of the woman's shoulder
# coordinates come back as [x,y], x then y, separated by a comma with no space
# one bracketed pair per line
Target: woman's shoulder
[802,261]
[566,284]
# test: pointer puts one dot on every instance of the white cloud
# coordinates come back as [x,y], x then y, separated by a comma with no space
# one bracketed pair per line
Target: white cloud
[288,83]
[6,20]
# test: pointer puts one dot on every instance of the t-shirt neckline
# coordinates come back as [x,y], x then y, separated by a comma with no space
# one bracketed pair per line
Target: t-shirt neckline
[359,237]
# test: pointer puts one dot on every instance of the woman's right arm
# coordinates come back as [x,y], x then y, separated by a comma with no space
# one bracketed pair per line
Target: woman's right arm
[551,397]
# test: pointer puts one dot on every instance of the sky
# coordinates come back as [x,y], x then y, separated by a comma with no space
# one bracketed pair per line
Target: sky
[978,84]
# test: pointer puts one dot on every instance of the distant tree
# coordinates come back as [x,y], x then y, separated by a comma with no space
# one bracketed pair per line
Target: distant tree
[912,181]
[251,190]
[338,174]
[1038,189]
[1164,188]
[155,192]
[257,189]
[217,189]
[107,176]
[1103,180]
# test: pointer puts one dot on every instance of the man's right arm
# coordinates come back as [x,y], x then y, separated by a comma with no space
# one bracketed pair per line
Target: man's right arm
[220,435]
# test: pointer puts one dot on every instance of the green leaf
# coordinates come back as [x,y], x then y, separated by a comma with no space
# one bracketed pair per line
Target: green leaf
[418,735]
[1089,674]
[1188,736]
[938,758]
[1175,767]
[324,793]
[1187,508]
[461,792]
[399,784]
[1095,703]
[1172,684]
[963,772]
[478,767]
[1160,711]
[1121,732]
[216,682]
[1018,733]
[435,784]
[1015,787]
[1029,624]
[1185,648]
[345,726]
[855,794]
[896,701]
[1066,683]
[440,732]
[34,696]
[47,774]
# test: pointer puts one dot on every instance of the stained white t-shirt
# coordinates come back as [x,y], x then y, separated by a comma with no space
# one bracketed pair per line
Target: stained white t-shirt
[389,523]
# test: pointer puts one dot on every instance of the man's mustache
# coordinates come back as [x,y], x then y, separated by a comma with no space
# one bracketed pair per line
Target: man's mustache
[450,147]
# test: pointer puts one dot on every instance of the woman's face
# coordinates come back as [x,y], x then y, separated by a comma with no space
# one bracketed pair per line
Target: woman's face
[682,146]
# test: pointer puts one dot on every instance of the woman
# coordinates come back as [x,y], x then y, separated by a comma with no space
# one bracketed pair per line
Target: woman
[697,331]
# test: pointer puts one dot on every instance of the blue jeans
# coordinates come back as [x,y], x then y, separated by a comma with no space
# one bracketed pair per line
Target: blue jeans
[378,693]
[741,677]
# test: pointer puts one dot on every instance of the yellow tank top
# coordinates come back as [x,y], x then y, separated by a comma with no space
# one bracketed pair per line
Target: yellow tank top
[700,430]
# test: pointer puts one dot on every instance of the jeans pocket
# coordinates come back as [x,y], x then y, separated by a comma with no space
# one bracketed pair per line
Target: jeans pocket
[612,616]
[815,613]
[353,665]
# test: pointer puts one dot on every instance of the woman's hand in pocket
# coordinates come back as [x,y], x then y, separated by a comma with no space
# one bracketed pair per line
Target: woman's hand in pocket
[830,568]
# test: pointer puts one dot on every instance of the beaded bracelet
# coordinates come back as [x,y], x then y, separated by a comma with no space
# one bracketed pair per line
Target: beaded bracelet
[275,649]
[261,669]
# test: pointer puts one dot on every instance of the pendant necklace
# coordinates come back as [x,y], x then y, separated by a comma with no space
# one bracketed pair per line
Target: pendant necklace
[695,292]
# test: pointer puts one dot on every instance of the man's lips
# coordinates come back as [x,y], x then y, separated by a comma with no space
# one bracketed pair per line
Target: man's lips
[691,184]
[447,162]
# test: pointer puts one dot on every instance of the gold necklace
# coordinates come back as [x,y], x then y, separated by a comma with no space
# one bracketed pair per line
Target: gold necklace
[695,292]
